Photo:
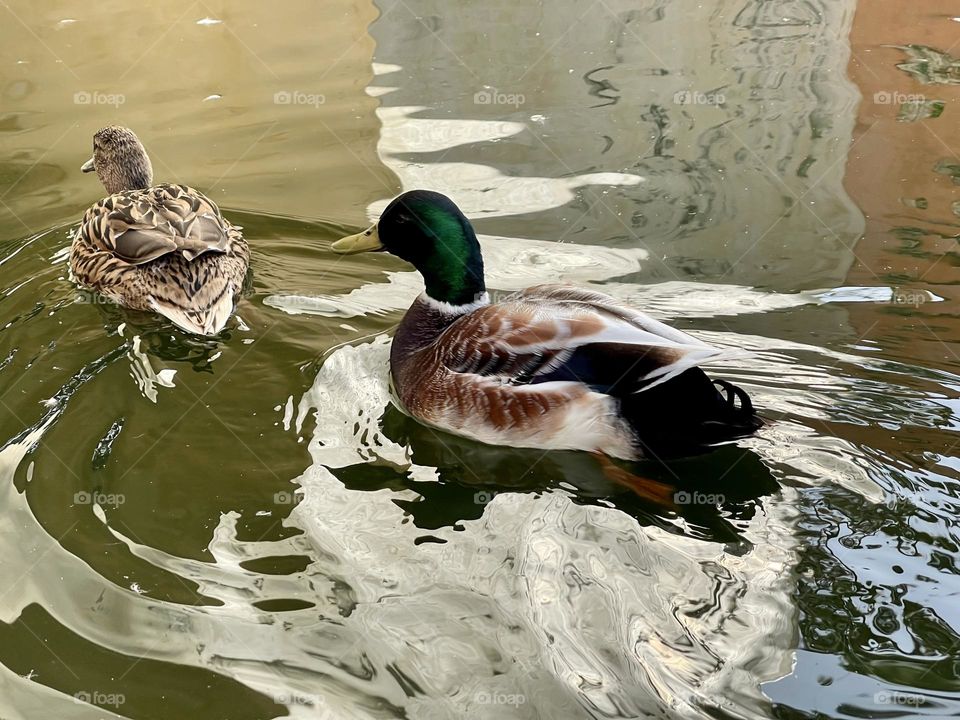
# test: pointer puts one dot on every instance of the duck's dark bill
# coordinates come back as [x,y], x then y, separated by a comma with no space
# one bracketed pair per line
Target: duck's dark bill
[87,166]
[366,241]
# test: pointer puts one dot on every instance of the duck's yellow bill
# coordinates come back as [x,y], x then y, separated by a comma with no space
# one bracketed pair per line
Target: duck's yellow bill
[366,241]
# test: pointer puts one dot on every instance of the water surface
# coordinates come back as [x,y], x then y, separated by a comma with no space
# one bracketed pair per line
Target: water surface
[243,527]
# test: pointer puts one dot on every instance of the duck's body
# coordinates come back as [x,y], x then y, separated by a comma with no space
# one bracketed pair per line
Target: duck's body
[553,366]
[561,368]
[164,249]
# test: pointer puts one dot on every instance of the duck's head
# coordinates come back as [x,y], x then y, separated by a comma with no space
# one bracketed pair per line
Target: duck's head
[427,230]
[119,160]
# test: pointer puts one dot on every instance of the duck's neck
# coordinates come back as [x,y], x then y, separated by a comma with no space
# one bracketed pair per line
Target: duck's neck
[453,269]
[128,173]
[453,311]
[424,322]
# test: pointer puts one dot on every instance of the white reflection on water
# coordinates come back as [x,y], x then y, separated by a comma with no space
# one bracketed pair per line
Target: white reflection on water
[750,188]
[510,265]
[143,373]
[479,190]
[566,605]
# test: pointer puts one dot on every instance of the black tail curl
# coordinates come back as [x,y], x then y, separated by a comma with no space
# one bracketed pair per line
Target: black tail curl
[688,414]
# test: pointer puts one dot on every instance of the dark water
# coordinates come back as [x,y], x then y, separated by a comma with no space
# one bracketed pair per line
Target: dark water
[243,527]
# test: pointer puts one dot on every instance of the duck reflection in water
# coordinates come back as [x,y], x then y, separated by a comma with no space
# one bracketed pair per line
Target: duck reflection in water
[714,492]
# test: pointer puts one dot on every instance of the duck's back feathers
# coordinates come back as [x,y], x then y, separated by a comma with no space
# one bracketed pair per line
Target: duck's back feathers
[165,249]
[141,225]
[555,332]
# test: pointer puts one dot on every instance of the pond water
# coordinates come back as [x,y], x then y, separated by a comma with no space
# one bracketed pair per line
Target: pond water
[243,527]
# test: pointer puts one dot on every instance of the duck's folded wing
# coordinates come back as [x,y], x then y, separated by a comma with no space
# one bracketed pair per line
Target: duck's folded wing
[557,333]
[144,225]
[571,296]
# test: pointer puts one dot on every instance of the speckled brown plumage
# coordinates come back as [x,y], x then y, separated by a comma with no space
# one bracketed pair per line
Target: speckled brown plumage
[186,262]
[164,249]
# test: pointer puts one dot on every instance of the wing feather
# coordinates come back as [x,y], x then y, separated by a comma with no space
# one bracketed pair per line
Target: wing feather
[545,333]
[140,226]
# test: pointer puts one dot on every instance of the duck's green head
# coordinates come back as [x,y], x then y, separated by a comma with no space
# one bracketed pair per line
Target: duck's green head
[120,160]
[427,230]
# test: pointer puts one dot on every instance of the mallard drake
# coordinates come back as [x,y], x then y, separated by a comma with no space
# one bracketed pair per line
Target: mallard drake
[552,366]
[161,248]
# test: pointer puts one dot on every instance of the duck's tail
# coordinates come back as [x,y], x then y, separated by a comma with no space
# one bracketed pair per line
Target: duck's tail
[688,414]
[208,319]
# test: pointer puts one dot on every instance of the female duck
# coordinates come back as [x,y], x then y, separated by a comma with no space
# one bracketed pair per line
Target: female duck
[552,366]
[165,248]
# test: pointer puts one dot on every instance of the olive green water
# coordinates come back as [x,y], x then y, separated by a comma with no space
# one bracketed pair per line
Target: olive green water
[242,527]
